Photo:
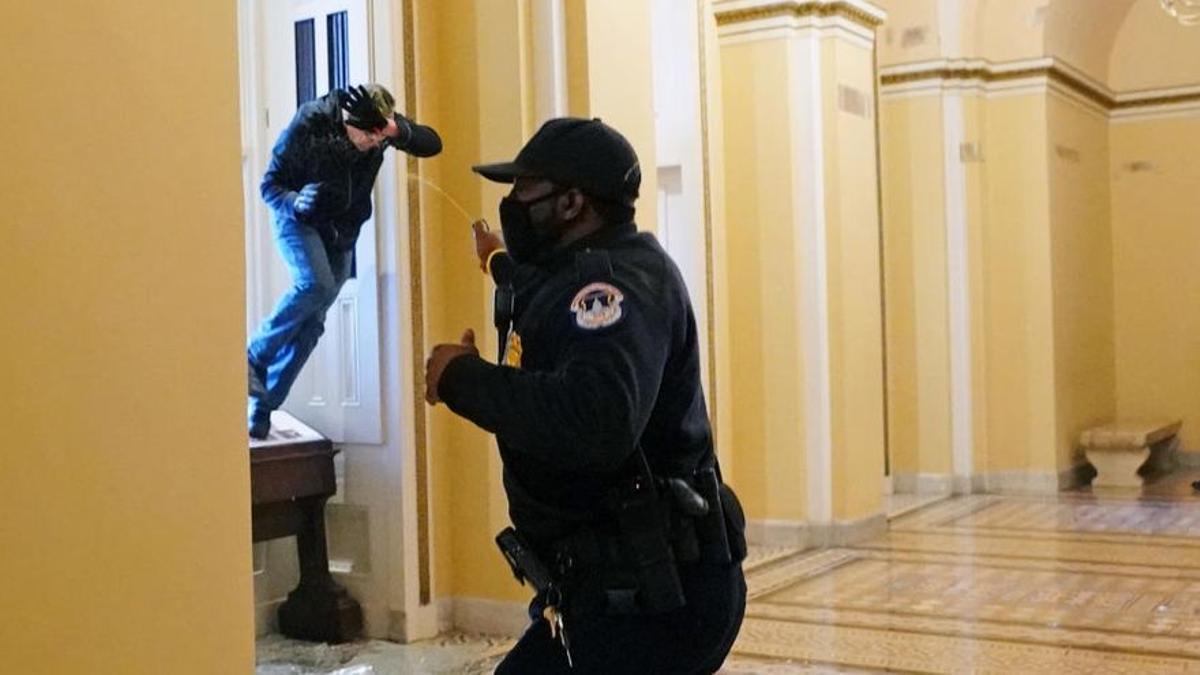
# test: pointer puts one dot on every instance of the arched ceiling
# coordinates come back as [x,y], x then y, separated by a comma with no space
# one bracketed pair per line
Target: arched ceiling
[1082,32]
[1153,51]
[1127,45]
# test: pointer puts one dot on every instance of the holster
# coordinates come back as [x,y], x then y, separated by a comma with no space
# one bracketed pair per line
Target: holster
[643,529]
[721,531]
[524,562]
[502,315]
[629,562]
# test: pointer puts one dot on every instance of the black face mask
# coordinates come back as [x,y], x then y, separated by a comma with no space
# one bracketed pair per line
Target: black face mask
[527,241]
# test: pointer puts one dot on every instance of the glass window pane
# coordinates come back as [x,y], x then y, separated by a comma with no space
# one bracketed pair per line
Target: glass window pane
[306,62]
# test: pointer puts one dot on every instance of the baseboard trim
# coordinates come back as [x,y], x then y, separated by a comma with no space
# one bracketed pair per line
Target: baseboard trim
[1034,482]
[845,533]
[925,484]
[424,623]
[970,485]
[804,535]
[791,533]
[483,616]
[266,617]
[445,614]
[1011,482]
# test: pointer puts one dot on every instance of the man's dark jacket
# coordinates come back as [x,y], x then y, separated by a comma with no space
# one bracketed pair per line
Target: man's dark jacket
[315,149]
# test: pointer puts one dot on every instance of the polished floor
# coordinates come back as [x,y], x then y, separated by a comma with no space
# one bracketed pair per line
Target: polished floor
[1077,583]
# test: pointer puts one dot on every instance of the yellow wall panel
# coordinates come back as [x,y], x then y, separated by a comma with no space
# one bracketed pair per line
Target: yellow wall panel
[766,407]
[1081,244]
[474,97]
[917,293]
[855,303]
[1155,209]
[1019,334]
[620,85]
[910,33]
[126,536]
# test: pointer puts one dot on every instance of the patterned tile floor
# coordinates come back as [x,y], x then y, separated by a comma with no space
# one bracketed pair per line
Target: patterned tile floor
[1077,583]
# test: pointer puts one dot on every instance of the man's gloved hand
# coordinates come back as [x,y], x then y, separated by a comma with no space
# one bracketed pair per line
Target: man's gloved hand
[361,111]
[439,358]
[305,202]
[320,200]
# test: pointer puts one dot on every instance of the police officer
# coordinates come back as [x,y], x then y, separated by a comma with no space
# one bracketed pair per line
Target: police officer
[598,411]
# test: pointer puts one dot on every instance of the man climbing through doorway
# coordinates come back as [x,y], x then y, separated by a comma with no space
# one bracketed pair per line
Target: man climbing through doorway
[318,187]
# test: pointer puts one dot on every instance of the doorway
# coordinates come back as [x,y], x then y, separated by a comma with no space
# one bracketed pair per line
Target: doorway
[357,388]
[298,51]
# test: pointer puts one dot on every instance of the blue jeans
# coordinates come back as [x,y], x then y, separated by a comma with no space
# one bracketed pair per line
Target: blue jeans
[284,340]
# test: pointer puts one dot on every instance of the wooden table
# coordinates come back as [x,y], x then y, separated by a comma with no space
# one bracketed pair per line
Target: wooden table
[291,477]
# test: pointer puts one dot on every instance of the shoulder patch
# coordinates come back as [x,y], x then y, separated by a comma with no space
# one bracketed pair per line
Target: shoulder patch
[597,306]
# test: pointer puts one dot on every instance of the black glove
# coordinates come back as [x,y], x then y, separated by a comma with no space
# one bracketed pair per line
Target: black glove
[360,109]
[417,140]
[306,200]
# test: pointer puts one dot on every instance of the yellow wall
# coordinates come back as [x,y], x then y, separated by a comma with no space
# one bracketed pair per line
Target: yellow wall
[769,314]
[576,24]
[1065,275]
[1128,45]
[126,536]
[1155,211]
[1039,282]
[766,406]
[1082,253]
[855,304]
[1018,326]
[917,18]
[916,277]
[1007,30]
[612,80]
[471,96]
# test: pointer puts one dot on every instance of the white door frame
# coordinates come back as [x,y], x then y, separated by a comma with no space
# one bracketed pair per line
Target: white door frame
[679,137]
[338,390]
[381,478]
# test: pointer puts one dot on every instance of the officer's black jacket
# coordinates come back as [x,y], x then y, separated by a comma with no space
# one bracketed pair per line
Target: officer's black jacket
[314,148]
[586,394]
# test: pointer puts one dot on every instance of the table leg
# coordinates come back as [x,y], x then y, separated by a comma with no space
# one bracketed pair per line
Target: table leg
[319,609]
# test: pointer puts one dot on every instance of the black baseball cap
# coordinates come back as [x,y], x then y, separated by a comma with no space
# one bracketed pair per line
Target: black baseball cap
[575,152]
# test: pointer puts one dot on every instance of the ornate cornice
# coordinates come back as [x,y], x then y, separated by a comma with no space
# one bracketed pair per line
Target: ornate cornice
[939,74]
[799,10]
[1081,88]
[1054,72]
[1153,100]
